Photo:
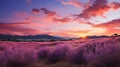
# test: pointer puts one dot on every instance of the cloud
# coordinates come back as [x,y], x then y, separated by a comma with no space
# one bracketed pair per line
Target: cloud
[52,16]
[17,29]
[44,10]
[98,8]
[115,5]
[109,25]
[95,8]
[43,15]
[48,12]
[16,23]
[82,21]
[35,11]
[75,3]
[63,20]
[46,15]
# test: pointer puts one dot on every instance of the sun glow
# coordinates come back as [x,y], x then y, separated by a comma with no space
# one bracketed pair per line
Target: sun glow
[84,37]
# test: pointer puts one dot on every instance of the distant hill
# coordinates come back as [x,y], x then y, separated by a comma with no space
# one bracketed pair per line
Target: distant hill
[90,37]
[104,36]
[98,36]
[31,37]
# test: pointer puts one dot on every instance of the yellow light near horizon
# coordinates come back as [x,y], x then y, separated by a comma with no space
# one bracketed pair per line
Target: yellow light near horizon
[84,37]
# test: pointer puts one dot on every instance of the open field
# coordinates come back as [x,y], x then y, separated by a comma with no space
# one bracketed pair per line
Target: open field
[99,52]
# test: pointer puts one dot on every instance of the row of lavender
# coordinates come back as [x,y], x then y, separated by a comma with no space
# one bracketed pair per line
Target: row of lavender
[98,53]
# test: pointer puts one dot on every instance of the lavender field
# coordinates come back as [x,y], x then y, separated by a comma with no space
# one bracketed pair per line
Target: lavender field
[101,52]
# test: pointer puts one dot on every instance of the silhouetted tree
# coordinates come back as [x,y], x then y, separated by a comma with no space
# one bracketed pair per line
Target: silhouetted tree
[116,34]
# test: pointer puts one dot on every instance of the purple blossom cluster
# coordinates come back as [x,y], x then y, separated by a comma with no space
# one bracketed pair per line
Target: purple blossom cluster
[17,57]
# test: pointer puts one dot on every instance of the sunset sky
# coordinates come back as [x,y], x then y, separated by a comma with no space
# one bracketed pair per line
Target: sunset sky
[68,18]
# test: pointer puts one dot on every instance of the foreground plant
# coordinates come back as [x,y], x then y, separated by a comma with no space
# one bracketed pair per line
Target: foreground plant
[20,57]
[58,54]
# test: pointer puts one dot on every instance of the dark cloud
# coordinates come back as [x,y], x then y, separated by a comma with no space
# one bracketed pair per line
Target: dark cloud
[45,11]
[35,11]
[48,12]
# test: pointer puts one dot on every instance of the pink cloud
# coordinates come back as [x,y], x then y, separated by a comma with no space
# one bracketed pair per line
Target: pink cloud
[48,12]
[115,5]
[17,29]
[62,20]
[98,8]
[75,3]
[111,27]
